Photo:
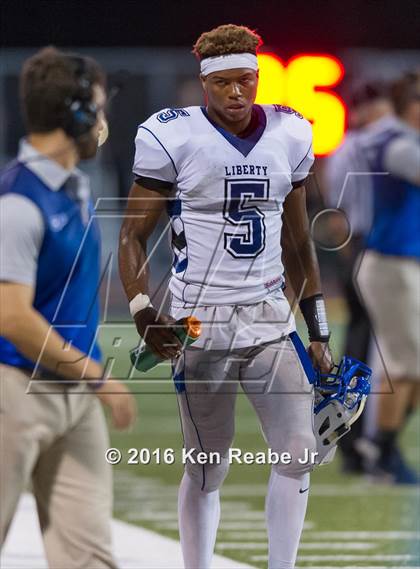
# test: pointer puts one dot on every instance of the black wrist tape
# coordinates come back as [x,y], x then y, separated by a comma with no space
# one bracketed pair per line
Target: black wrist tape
[315,315]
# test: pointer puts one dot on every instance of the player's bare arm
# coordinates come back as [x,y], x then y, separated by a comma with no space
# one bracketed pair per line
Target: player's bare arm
[144,209]
[21,324]
[30,332]
[301,264]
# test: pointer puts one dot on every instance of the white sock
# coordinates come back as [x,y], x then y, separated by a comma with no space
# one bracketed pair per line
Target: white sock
[198,518]
[285,514]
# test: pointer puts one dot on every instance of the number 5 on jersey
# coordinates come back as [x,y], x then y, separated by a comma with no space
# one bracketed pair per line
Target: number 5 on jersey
[240,210]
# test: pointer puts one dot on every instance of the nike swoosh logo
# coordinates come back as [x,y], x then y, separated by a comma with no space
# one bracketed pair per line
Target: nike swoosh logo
[303,491]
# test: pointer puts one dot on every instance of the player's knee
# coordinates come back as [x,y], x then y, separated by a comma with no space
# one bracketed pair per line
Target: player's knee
[215,475]
[209,476]
[301,448]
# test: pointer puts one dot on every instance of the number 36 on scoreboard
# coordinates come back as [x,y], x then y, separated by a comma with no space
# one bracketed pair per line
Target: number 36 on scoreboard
[303,83]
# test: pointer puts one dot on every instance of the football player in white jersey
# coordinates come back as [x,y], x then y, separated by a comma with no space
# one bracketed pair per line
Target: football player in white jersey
[231,176]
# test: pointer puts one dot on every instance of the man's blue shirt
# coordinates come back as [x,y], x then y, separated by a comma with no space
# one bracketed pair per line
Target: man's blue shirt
[396,200]
[66,285]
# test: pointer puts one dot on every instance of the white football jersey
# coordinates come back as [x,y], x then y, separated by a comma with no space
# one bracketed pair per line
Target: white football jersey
[228,194]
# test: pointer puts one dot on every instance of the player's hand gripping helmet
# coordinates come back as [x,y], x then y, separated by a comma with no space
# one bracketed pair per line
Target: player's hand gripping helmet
[340,397]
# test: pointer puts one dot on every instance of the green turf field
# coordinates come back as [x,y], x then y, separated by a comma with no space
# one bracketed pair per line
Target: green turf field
[350,523]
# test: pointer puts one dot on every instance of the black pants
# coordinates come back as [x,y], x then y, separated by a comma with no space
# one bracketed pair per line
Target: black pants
[357,340]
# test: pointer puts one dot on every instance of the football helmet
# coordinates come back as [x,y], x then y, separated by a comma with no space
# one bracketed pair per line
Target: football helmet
[340,397]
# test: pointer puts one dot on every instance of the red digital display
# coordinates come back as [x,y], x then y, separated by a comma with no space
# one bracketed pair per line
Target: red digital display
[305,83]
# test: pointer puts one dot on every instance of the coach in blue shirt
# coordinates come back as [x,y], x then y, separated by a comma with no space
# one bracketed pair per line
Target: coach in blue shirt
[53,428]
[349,187]
[389,276]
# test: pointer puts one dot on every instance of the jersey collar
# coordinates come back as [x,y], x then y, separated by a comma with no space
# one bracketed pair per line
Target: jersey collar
[49,171]
[243,145]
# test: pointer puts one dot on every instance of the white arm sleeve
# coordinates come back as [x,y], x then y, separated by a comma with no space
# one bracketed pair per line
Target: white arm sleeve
[302,169]
[402,159]
[152,160]
[302,155]
[21,236]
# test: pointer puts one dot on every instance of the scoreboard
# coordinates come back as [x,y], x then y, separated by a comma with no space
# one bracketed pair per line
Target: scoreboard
[306,83]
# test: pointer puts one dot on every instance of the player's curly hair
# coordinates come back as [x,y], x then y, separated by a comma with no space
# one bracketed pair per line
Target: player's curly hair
[227,39]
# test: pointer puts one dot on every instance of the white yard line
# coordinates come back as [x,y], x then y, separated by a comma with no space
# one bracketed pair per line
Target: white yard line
[349,546]
[150,516]
[368,558]
[134,547]
[341,546]
[235,530]
[339,558]
[362,488]
[384,535]
[231,533]
[241,545]
[246,527]
[232,519]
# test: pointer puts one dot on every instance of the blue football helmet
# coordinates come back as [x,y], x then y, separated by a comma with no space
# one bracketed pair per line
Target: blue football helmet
[340,397]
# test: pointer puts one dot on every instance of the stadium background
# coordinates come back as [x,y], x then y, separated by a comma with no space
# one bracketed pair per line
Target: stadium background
[145,50]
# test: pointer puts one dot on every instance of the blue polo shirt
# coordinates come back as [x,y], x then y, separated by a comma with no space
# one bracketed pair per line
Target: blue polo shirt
[50,240]
[393,151]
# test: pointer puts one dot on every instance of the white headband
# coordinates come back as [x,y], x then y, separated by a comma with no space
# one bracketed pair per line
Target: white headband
[231,61]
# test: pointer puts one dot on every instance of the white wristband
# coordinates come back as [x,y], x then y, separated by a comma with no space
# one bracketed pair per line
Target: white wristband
[139,302]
